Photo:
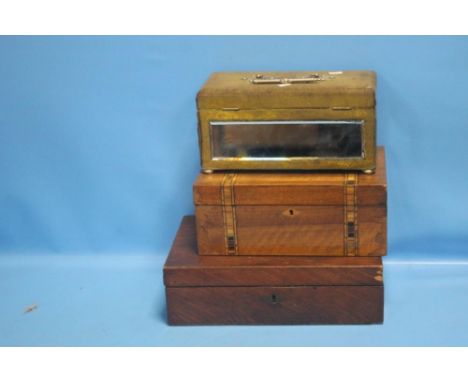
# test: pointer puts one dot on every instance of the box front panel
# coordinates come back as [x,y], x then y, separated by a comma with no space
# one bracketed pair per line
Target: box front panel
[291,231]
[299,139]
[273,230]
[274,140]
[275,305]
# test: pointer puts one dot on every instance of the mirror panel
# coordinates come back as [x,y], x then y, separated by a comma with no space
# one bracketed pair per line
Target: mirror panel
[270,140]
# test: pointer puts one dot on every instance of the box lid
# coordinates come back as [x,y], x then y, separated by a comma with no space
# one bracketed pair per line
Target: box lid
[293,188]
[283,90]
[185,268]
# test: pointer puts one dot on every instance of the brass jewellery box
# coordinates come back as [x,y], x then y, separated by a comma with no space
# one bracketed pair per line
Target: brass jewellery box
[288,121]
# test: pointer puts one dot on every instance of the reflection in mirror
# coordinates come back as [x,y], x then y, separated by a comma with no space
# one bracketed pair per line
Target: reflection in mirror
[280,139]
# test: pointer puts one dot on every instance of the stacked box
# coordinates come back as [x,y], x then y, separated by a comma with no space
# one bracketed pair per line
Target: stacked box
[290,208]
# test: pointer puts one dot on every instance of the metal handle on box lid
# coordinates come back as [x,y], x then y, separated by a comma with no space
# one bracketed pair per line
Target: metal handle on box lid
[260,79]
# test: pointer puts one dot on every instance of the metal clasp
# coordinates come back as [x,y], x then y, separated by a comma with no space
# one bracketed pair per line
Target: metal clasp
[260,79]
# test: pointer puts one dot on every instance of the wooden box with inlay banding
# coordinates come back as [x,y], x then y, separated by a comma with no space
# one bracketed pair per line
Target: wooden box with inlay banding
[209,290]
[293,213]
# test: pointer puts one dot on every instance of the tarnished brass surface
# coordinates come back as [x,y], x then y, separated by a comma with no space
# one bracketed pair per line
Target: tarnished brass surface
[338,96]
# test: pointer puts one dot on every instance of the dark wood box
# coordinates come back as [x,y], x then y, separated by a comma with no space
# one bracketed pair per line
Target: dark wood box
[303,214]
[203,290]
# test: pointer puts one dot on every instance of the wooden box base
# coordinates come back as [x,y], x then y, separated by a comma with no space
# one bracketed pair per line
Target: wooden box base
[205,290]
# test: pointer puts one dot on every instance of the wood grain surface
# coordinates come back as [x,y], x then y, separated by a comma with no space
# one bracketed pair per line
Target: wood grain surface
[184,267]
[204,290]
[275,305]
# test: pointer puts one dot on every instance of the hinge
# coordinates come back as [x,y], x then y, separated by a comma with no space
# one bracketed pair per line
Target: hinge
[230,109]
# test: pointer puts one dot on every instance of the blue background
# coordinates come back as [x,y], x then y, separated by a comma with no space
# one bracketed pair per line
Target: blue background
[98,152]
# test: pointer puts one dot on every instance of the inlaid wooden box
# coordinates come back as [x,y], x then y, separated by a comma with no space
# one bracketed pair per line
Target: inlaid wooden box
[303,214]
[203,290]
[288,121]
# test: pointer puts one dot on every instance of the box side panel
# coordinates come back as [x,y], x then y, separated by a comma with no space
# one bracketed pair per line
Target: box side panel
[372,231]
[275,305]
[211,234]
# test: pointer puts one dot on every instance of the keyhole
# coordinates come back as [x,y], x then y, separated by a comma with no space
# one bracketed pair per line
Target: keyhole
[291,212]
[273,299]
